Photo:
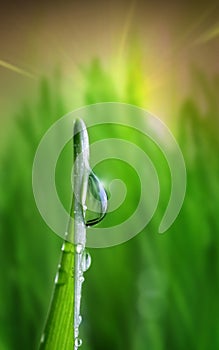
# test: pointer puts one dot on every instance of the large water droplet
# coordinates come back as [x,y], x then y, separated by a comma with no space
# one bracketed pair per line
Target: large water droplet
[96,201]
[85,261]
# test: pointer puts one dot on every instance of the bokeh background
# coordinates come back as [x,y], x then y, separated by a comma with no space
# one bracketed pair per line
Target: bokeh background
[156,291]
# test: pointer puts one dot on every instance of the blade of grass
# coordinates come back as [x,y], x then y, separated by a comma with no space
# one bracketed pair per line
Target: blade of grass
[58,333]
[65,305]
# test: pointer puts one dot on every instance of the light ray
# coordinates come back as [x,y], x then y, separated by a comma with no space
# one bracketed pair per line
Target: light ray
[16,69]
[210,34]
[126,29]
[183,41]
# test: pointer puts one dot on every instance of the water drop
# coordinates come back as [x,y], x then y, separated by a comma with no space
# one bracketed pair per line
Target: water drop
[79,319]
[81,279]
[61,277]
[76,331]
[85,261]
[96,201]
[67,247]
[79,248]
[78,342]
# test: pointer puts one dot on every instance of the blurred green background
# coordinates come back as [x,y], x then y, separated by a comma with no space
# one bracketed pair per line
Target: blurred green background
[155,291]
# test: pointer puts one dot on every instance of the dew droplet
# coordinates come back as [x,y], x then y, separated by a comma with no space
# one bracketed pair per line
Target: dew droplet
[78,342]
[67,247]
[79,319]
[76,332]
[81,279]
[85,261]
[79,248]
[96,201]
[61,277]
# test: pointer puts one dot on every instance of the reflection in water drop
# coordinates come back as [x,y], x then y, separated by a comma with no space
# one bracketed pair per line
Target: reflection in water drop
[96,201]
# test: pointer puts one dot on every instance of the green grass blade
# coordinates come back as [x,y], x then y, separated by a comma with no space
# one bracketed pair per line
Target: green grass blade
[58,333]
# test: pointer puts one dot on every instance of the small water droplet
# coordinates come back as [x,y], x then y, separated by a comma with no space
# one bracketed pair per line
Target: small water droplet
[96,201]
[67,247]
[79,248]
[85,261]
[79,319]
[61,277]
[76,332]
[78,342]
[81,279]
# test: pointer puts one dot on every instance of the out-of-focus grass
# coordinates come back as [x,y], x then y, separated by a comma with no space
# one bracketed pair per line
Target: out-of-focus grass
[153,292]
